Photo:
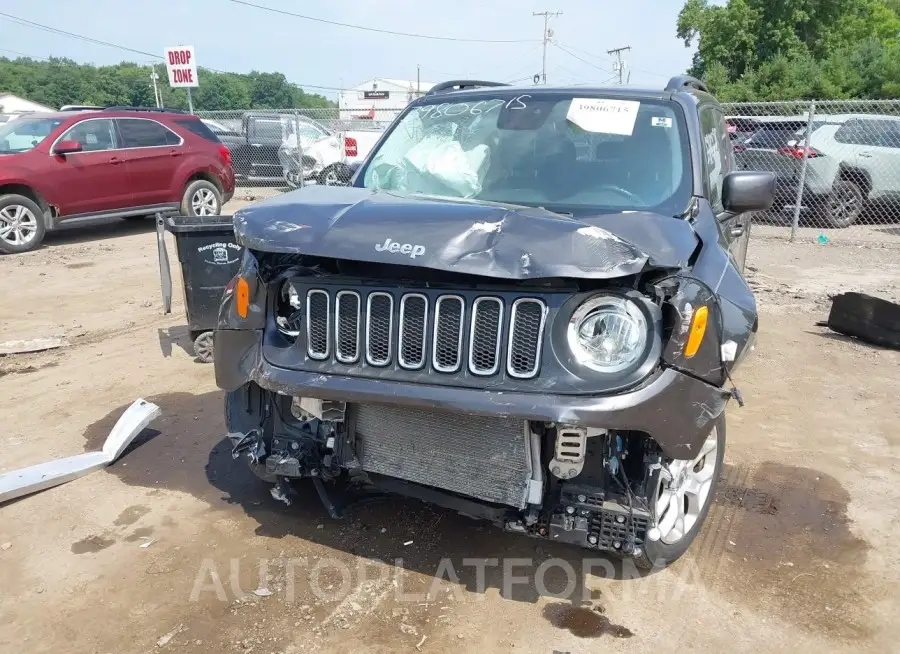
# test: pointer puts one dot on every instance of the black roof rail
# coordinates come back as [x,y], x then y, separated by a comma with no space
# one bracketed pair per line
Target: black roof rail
[683,81]
[122,107]
[460,84]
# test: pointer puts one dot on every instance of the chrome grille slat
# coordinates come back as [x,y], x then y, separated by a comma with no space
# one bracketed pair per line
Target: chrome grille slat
[347,305]
[526,334]
[318,320]
[484,336]
[413,332]
[379,328]
[448,334]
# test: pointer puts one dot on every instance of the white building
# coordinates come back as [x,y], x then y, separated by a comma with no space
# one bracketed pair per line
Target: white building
[13,104]
[379,99]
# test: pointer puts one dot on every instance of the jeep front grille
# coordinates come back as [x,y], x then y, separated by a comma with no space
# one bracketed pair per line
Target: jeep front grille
[417,332]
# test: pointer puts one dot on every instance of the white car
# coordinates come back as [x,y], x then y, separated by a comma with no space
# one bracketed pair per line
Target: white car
[326,154]
[854,161]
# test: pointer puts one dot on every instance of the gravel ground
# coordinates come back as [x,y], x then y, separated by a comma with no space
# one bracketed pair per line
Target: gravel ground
[178,548]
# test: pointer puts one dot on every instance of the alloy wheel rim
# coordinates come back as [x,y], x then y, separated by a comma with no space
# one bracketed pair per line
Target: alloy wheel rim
[18,225]
[844,204]
[683,491]
[204,203]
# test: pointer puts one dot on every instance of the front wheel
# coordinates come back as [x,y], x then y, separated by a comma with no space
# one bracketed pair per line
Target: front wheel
[201,198]
[680,498]
[335,175]
[21,224]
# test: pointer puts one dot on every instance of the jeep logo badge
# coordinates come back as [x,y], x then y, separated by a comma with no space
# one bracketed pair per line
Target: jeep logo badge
[410,250]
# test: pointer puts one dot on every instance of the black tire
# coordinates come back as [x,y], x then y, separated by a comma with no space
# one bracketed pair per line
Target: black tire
[206,190]
[845,204]
[657,554]
[36,231]
[203,347]
[336,174]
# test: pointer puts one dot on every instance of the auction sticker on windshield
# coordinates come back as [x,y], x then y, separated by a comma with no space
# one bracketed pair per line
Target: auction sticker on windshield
[604,116]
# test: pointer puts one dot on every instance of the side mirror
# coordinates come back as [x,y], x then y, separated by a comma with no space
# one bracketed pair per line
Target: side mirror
[748,190]
[67,147]
[354,167]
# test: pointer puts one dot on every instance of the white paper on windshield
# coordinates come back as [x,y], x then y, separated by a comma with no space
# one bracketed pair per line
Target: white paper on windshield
[604,116]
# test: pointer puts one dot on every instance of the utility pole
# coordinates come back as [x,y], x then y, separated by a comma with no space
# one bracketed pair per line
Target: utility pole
[153,78]
[546,38]
[418,80]
[619,65]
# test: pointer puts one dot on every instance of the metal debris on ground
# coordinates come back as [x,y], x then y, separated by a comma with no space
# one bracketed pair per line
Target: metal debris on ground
[262,592]
[32,345]
[162,641]
[25,481]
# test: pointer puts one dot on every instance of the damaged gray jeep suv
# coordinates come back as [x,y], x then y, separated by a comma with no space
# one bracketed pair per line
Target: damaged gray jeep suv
[526,307]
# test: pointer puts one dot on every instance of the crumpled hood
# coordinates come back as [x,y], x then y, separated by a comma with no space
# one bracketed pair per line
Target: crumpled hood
[462,236]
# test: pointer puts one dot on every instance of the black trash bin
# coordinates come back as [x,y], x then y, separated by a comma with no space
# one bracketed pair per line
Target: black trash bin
[210,258]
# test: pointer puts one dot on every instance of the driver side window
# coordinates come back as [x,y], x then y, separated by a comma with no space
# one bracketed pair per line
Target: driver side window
[93,135]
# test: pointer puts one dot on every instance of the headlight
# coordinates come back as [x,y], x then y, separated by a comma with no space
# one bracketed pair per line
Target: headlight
[608,334]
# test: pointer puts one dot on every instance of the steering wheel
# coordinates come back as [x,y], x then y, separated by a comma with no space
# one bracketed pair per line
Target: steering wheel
[621,191]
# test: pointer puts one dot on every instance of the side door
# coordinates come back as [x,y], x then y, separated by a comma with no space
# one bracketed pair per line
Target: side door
[718,161]
[264,135]
[95,179]
[153,153]
[879,157]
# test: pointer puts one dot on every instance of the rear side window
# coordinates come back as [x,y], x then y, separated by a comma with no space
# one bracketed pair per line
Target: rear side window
[198,127]
[718,153]
[771,138]
[143,133]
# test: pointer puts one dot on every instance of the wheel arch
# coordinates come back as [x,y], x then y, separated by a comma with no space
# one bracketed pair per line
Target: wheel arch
[204,175]
[32,194]
[856,175]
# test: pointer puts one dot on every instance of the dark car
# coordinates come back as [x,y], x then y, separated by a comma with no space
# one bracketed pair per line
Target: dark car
[495,320]
[773,146]
[113,162]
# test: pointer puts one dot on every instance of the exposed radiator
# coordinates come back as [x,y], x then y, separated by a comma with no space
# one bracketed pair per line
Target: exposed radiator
[484,458]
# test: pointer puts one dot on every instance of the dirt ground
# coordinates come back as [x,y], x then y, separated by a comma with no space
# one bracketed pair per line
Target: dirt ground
[178,548]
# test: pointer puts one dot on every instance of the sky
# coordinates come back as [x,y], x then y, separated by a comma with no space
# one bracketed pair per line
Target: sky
[233,37]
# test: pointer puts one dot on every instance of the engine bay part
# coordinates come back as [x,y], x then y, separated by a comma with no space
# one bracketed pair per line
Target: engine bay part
[597,496]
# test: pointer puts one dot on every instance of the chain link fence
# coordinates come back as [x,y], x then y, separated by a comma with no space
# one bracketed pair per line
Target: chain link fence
[276,150]
[837,166]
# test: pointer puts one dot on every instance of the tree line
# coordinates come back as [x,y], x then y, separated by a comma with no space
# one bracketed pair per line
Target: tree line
[794,49]
[57,82]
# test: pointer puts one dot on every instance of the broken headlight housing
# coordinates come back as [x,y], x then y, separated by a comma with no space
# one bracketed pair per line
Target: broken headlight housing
[608,334]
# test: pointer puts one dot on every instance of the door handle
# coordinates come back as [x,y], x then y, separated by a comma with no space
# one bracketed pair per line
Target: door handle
[174,153]
[737,230]
[256,145]
[115,161]
[867,155]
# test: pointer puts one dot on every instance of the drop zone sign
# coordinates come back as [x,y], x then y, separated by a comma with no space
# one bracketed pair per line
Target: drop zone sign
[182,67]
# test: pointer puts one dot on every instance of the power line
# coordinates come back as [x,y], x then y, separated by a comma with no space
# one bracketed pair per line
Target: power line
[88,39]
[584,61]
[607,59]
[431,37]
[22,54]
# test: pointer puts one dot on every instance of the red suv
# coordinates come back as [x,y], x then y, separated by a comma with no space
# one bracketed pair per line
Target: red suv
[114,162]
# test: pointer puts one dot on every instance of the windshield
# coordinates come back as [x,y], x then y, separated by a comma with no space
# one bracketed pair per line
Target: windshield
[24,134]
[547,150]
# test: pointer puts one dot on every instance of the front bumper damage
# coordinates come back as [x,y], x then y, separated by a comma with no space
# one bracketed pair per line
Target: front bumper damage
[674,408]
